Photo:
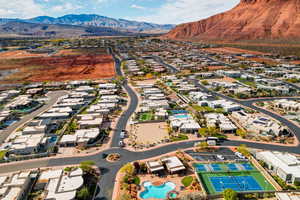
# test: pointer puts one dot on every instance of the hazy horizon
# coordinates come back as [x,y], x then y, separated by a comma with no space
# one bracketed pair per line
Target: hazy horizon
[154,11]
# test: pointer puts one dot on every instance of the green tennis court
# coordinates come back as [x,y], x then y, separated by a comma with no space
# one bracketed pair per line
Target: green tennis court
[237,176]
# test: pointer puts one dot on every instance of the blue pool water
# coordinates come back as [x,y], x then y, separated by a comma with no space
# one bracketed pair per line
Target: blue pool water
[174,112]
[181,116]
[157,192]
[53,139]
[9,122]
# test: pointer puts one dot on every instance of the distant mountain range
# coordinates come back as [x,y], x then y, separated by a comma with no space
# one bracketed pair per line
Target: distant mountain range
[90,22]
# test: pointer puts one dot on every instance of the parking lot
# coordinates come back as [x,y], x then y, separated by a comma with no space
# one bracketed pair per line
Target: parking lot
[225,153]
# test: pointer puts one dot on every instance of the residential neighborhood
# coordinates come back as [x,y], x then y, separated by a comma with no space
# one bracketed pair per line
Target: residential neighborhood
[177,120]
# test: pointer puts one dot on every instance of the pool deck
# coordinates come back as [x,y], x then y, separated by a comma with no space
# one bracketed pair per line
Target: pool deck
[176,179]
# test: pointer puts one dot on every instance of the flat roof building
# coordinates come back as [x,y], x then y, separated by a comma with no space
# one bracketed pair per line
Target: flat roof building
[285,165]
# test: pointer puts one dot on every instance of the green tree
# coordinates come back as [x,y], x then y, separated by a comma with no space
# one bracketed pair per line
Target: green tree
[203,132]
[241,133]
[205,82]
[243,150]
[87,166]
[202,145]
[212,131]
[230,194]
[128,169]
[83,194]
[72,127]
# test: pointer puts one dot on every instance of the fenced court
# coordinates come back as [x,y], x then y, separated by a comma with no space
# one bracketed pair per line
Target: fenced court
[241,177]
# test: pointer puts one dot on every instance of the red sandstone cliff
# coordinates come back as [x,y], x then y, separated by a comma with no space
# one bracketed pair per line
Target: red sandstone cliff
[249,20]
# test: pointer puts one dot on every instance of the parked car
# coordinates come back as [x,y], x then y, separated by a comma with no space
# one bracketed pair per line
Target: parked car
[238,154]
[220,157]
[121,144]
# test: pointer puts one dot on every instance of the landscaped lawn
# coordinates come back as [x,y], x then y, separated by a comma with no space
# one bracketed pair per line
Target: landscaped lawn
[146,116]
[187,181]
[180,137]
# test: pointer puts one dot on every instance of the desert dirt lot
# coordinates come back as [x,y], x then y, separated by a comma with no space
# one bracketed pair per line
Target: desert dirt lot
[60,68]
[151,132]
[18,54]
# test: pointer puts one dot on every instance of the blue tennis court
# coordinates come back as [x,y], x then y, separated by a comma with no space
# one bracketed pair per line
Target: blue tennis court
[200,168]
[247,183]
[247,166]
[216,167]
[232,167]
[237,183]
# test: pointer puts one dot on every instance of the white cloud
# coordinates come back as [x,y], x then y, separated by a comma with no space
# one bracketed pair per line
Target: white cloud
[137,7]
[181,11]
[20,8]
[65,7]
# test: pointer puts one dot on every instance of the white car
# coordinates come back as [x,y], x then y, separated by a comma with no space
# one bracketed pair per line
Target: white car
[122,135]
[121,144]
[238,154]
[220,157]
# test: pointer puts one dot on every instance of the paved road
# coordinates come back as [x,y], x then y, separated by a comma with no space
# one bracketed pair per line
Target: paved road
[53,97]
[121,124]
[109,170]
[171,68]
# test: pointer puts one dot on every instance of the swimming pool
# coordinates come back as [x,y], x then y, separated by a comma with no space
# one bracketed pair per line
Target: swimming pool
[175,112]
[157,192]
[182,116]
[53,139]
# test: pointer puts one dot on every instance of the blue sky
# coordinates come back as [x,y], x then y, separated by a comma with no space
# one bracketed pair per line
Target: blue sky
[157,11]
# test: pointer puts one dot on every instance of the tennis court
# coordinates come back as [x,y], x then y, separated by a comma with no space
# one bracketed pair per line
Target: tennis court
[237,183]
[232,167]
[216,167]
[247,166]
[200,168]
[238,176]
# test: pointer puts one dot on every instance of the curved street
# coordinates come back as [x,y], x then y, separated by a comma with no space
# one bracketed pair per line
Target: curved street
[109,170]
[123,120]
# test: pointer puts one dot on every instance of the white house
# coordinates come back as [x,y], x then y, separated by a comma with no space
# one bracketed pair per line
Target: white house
[60,185]
[285,165]
[14,186]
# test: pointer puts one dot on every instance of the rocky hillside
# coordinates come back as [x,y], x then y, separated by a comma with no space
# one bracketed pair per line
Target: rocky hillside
[249,20]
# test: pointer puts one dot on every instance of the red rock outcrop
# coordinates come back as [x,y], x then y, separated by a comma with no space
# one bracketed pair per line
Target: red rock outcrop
[249,20]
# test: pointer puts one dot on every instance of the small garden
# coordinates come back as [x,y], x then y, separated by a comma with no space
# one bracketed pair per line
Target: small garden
[146,116]
[113,157]
[190,183]
[179,137]
[130,182]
